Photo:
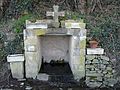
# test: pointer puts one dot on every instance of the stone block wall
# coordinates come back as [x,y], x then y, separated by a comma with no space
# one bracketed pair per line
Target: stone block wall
[99,71]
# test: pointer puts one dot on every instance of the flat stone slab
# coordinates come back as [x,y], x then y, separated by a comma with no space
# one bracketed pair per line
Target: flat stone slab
[43,77]
[94,51]
[15,58]
[36,25]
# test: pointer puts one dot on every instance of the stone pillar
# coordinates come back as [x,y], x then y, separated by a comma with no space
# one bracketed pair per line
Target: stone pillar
[78,45]
[32,59]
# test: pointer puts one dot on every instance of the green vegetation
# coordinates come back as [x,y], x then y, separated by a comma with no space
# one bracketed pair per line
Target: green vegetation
[20,23]
[105,27]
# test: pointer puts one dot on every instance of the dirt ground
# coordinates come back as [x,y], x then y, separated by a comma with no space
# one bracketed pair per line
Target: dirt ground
[8,83]
[30,84]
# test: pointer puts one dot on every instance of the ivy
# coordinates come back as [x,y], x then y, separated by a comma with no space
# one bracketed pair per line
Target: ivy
[16,8]
[105,27]
[20,23]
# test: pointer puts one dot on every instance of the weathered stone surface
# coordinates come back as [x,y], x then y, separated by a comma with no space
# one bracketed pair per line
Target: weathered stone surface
[105,62]
[16,65]
[37,47]
[28,88]
[70,89]
[32,39]
[90,57]
[33,62]
[56,24]
[36,25]
[103,67]
[95,61]
[93,74]
[83,44]
[73,24]
[99,78]
[43,77]
[111,82]
[105,58]
[55,14]
[109,68]
[21,80]
[88,62]
[40,32]
[15,58]
[94,84]
[90,66]
[99,69]
[55,47]
[17,69]
[93,51]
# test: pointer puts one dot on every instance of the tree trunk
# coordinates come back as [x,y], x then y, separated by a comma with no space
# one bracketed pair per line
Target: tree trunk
[1,8]
[82,6]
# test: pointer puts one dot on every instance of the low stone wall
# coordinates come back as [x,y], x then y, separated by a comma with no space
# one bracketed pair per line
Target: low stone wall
[99,71]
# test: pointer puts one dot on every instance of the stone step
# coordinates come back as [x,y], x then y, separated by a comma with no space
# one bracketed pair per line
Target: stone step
[43,77]
[61,78]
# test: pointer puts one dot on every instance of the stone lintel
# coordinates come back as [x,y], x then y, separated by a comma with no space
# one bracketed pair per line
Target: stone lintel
[55,31]
[73,24]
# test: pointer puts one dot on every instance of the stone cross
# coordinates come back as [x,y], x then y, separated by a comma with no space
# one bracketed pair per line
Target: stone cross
[55,14]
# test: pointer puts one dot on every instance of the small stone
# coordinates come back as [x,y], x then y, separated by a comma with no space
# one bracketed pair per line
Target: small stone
[87,81]
[103,66]
[99,71]
[92,69]
[107,76]
[90,57]
[105,62]
[43,77]
[92,74]
[105,83]
[88,62]
[89,66]
[11,85]
[96,69]
[99,78]
[28,88]
[70,89]
[109,68]
[20,80]
[105,58]
[94,84]
[60,89]
[95,61]
[111,82]
[104,72]
[87,78]
[21,84]
[113,71]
